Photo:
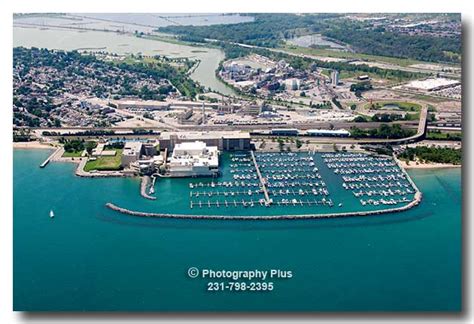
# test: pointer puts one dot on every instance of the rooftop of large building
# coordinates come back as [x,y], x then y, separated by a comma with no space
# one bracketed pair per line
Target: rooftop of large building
[132,148]
[191,146]
[205,135]
[194,154]
[431,84]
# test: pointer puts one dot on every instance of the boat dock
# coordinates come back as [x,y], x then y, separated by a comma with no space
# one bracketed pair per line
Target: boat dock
[59,151]
[262,180]
[261,202]
[283,179]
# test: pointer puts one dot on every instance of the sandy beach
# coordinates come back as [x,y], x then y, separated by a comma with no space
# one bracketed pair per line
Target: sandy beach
[414,165]
[32,145]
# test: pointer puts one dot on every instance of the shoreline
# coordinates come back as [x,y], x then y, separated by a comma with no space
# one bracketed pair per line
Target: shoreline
[32,145]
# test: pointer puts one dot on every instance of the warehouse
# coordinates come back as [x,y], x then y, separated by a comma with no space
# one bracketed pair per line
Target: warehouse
[433,84]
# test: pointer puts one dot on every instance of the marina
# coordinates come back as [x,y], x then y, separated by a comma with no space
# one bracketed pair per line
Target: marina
[264,179]
[292,182]
[362,173]
[285,179]
[285,184]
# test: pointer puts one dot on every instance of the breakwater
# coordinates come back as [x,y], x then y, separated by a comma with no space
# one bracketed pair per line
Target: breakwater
[57,153]
[417,199]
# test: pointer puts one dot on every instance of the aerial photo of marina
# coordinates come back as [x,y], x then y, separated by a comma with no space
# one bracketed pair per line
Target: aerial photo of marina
[328,145]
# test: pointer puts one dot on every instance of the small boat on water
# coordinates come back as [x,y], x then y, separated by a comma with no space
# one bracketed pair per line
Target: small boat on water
[51,214]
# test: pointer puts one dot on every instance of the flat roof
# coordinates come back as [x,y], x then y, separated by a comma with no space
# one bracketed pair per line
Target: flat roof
[131,148]
[432,83]
[328,131]
[190,145]
[205,135]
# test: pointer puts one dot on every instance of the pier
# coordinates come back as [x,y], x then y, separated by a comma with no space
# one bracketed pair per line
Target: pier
[263,183]
[59,151]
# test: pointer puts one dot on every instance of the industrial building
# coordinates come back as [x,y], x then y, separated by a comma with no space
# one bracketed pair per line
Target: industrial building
[188,117]
[131,153]
[141,105]
[194,159]
[224,140]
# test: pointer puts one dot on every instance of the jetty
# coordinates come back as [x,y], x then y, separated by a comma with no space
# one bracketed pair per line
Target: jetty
[143,187]
[263,183]
[57,153]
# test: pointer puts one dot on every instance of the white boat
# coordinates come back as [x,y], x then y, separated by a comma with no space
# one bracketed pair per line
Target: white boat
[51,213]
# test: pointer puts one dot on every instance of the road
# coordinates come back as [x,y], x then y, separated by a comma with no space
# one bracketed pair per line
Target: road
[420,135]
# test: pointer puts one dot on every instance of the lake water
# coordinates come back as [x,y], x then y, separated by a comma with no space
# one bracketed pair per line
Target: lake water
[123,44]
[91,258]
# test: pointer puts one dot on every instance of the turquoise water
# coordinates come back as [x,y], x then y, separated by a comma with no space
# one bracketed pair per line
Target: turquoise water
[91,258]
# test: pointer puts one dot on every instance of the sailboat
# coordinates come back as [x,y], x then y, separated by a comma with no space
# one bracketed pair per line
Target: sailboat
[51,213]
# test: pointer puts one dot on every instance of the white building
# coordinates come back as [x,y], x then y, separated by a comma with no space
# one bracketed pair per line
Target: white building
[432,84]
[193,159]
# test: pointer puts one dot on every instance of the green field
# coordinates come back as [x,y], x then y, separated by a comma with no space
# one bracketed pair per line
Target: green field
[105,163]
[348,55]
[403,105]
[73,154]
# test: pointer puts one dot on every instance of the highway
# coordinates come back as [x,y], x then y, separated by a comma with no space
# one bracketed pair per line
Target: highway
[224,127]
[421,127]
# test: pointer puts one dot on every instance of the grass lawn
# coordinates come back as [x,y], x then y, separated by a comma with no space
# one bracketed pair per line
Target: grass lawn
[444,136]
[105,163]
[403,105]
[72,154]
